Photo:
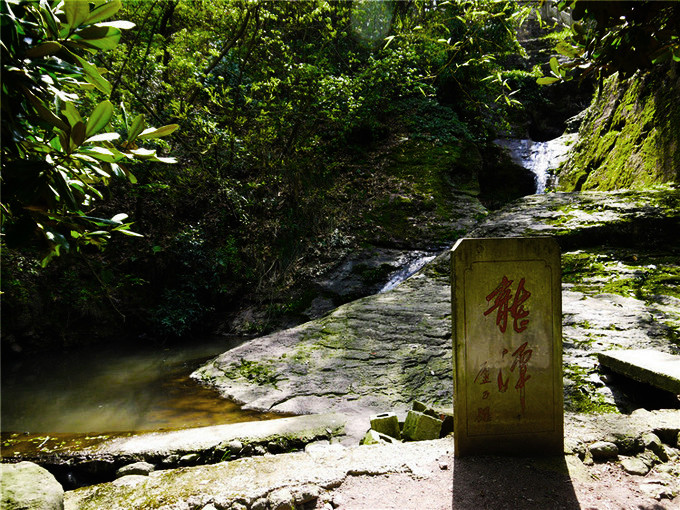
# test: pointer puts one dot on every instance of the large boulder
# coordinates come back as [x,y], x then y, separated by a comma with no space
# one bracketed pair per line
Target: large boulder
[27,486]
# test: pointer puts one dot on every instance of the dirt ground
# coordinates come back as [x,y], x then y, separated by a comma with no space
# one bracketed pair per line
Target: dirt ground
[499,483]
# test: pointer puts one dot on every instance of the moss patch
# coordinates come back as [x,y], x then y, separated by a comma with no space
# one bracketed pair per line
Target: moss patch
[260,373]
[629,138]
[581,395]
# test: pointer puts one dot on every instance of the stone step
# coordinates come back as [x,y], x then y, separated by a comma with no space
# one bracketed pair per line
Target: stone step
[656,368]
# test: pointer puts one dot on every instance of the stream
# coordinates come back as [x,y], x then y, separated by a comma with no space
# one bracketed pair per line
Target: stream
[111,388]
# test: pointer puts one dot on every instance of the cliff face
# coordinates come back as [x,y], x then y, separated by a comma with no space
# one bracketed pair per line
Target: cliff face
[630,137]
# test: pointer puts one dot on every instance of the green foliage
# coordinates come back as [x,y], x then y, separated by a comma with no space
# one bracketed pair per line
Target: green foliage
[282,106]
[55,160]
[616,36]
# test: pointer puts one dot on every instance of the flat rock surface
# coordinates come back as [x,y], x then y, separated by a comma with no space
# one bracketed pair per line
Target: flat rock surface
[391,476]
[248,480]
[159,444]
[658,369]
[381,352]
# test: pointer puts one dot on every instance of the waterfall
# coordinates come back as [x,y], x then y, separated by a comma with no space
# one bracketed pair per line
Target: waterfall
[541,158]
[416,261]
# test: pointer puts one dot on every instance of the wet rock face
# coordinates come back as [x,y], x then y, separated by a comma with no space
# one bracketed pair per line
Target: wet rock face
[28,486]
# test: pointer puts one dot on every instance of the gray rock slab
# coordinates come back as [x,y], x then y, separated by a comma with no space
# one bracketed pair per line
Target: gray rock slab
[163,444]
[247,481]
[26,485]
[382,352]
[658,369]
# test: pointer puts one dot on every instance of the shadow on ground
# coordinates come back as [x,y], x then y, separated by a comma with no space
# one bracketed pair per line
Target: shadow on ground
[512,483]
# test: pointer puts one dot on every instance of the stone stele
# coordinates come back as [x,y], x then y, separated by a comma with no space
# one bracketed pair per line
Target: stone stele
[507,344]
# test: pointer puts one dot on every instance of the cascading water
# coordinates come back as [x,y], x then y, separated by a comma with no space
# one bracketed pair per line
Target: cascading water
[541,158]
[416,261]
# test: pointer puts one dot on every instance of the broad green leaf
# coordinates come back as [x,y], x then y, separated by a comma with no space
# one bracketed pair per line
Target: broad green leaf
[567,50]
[77,11]
[104,154]
[554,66]
[104,11]
[158,132]
[71,113]
[46,114]
[99,118]
[107,42]
[93,32]
[44,49]
[103,137]
[92,75]
[78,134]
[546,80]
[137,127]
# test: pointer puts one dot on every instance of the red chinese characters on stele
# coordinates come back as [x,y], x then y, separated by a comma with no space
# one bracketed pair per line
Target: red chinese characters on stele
[500,301]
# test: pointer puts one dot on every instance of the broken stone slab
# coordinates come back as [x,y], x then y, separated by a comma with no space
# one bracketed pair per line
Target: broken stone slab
[656,368]
[182,442]
[652,442]
[387,424]
[375,437]
[252,481]
[202,445]
[421,427]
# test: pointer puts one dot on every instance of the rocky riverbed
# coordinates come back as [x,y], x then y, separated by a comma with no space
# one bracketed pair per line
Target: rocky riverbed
[620,255]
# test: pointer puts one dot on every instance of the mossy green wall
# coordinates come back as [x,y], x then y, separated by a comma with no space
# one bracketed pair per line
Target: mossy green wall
[630,137]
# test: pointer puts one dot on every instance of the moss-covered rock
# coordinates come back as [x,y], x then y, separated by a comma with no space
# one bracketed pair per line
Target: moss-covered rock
[630,137]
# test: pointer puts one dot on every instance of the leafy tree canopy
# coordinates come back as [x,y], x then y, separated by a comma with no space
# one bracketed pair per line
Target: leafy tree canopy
[617,36]
[55,157]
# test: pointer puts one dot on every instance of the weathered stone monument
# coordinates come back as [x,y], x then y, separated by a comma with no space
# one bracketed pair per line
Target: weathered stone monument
[507,341]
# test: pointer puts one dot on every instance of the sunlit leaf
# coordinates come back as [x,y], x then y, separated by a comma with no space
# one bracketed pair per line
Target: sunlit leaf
[71,113]
[137,127]
[106,42]
[104,11]
[120,24]
[92,75]
[158,132]
[547,80]
[99,118]
[103,137]
[77,11]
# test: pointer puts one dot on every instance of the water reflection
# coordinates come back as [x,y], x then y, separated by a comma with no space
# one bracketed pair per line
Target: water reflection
[108,389]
